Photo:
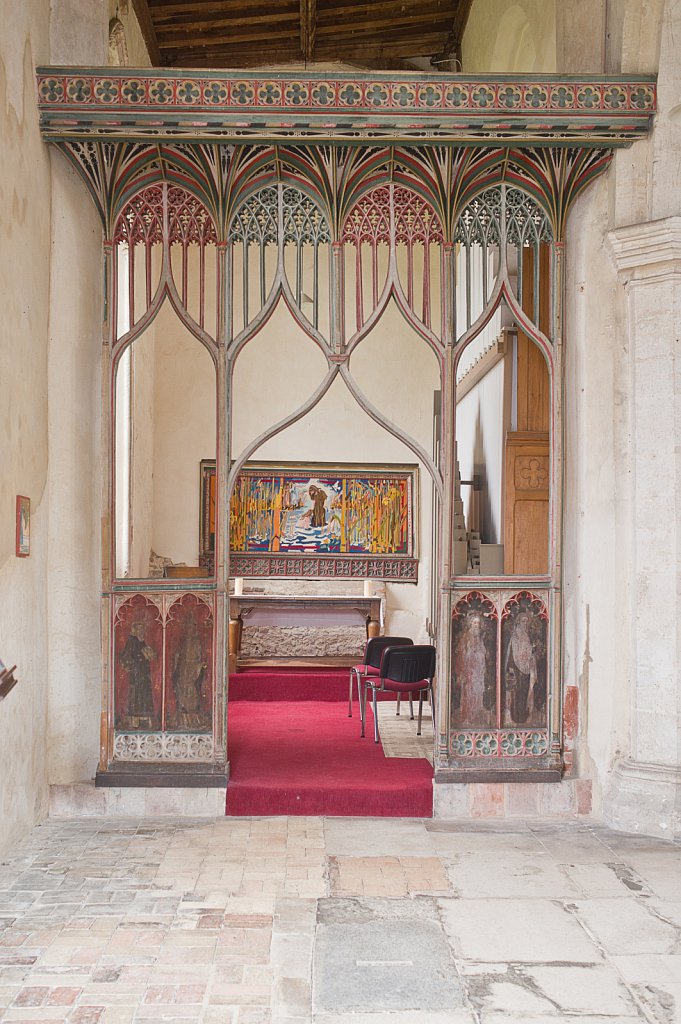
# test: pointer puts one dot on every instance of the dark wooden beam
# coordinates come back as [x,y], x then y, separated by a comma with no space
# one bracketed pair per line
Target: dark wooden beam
[369,23]
[383,64]
[230,42]
[226,59]
[265,9]
[186,27]
[141,8]
[308,28]
[417,46]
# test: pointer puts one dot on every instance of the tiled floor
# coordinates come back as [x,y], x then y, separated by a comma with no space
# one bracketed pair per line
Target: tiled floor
[339,921]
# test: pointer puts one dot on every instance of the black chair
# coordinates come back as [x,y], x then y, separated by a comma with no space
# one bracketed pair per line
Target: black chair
[372,661]
[403,670]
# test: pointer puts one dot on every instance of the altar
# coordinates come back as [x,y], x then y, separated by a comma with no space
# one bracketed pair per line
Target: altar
[299,610]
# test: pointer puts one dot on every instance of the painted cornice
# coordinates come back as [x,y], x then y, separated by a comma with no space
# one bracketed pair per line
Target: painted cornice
[121,103]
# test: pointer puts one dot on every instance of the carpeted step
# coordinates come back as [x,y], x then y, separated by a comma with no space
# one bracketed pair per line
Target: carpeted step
[300,757]
[279,684]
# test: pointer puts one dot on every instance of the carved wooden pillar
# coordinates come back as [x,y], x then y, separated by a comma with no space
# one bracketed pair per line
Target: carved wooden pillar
[443,559]
[106,428]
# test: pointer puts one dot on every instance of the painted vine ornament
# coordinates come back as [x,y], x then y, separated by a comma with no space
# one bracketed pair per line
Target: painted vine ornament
[385,188]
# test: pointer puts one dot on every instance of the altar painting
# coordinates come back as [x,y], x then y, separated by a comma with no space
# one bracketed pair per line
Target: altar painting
[318,509]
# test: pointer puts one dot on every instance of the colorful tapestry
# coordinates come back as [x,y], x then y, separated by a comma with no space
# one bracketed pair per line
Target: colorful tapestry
[321,520]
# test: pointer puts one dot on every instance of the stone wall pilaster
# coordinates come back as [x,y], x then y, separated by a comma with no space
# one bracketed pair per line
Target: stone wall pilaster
[645,790]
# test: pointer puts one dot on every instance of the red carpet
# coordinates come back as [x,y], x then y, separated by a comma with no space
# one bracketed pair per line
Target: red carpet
[307,757]
[294,684]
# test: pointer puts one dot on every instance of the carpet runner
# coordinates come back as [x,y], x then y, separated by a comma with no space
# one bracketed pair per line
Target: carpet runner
[294,684]
[305,756]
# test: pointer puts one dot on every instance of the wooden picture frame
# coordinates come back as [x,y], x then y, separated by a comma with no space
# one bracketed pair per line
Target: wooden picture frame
[23,526]
[207,510]
[317,520]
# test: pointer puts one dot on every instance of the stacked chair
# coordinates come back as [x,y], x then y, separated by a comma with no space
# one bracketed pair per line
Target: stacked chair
[372,662]
[404,668]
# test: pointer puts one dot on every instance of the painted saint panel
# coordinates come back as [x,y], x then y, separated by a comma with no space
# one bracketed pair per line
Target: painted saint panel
[138,665]
[189,666]
[474,663]
[524,665]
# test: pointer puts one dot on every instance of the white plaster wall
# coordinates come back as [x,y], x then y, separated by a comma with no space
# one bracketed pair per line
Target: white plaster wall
[508,37]
[614,554]
[184,405]
[143,435]
[394,369]
[25,215]
[74,479]
[78,34]
[274,374]
[480,433]
[597,597]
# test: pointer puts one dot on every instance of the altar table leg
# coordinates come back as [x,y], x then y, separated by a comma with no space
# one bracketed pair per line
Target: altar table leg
[234,643]
[373,628]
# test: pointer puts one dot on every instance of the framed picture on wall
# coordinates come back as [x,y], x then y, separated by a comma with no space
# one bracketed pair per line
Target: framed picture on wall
[23,536]
[318,520]
[207,514]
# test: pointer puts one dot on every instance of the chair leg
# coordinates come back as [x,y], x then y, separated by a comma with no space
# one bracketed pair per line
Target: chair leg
[362,696]
[431,695]
[354,675]
[411,708]
[418,730]
[397,711]
[375,714]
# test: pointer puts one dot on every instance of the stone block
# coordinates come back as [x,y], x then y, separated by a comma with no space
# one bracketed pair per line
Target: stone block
[450,800]
[522,799]
[557,799]
[487,800]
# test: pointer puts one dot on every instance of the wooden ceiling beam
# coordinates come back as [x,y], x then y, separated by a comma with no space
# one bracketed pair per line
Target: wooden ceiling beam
[390,15]
[219,59]
[308,28]
[383,64]
[182,26]
[420,46]
[226,8]
[417,27]
[229,41]
[141,9]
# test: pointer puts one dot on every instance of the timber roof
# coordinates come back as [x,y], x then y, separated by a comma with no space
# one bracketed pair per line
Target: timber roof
[374,34]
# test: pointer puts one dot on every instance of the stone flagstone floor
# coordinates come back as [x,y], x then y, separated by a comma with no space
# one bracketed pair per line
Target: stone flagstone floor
[339,921]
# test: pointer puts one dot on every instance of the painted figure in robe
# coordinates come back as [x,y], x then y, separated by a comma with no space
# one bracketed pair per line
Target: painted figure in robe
[136,659]
[318,496]
[525,670]
[189,667]
[475,674]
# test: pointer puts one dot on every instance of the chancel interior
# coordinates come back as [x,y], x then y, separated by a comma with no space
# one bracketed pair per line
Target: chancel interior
[370,341]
